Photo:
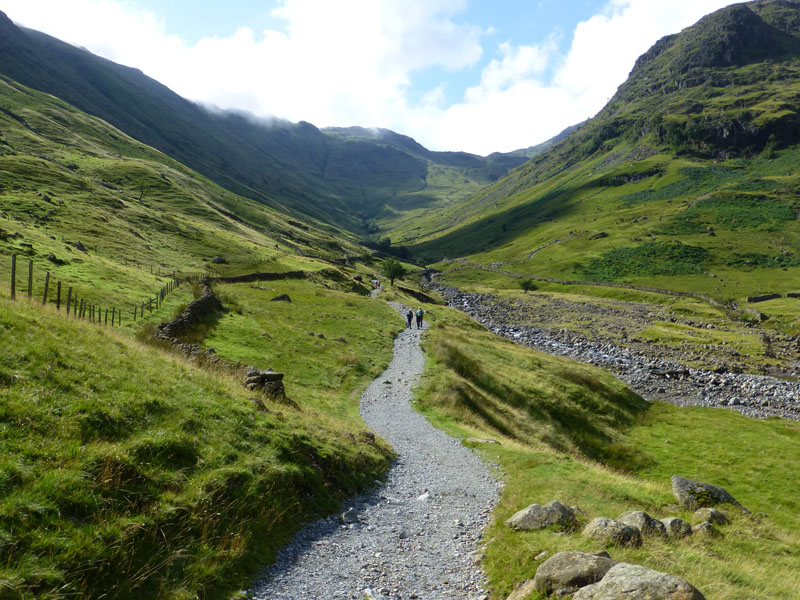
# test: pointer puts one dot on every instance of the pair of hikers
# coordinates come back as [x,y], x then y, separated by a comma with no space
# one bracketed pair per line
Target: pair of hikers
[418,315]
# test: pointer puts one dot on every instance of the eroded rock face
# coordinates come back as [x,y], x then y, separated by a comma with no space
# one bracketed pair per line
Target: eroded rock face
[612,532]
[677,528]
[537,516]
[566,572]
[696,494]
[634,582]
[647,525]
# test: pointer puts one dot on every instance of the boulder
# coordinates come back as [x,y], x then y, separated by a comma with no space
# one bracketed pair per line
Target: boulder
[712,515]
[282,298]
[695,494]
[537,516]
[613,532]
[647,525]
[219,260]
[677,528]
[566,572]
[634,582]
[706,528]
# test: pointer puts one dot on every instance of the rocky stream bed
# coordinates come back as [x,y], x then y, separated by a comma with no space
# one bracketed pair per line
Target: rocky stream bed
[654,374]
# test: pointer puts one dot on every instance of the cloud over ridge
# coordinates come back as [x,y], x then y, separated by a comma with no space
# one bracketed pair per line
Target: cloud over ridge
[354,62]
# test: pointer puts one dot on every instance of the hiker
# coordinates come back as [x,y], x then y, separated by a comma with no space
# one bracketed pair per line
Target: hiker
[419,314]
[409,314]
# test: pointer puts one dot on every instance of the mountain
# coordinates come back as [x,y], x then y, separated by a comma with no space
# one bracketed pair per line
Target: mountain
[686,177]
[344,180]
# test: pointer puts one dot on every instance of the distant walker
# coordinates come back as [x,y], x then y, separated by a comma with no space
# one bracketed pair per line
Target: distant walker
[419,314]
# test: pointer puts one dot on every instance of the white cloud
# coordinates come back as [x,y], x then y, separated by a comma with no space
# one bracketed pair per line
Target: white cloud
[351,62]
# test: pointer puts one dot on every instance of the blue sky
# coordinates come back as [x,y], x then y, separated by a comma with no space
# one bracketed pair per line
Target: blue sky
[473,75]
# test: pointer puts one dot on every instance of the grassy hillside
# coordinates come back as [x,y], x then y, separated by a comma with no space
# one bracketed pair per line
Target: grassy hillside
[686,180]
[572,433]
[127,473]
[67,178]
[346,180]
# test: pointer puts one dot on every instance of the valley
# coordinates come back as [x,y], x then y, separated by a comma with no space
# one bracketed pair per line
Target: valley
[602,312]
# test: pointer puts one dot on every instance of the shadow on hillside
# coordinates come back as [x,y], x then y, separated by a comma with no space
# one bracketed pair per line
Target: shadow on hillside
[497,229]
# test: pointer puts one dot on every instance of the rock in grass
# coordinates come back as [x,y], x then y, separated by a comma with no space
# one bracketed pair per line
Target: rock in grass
[634,582]
[566,572]
[712,515]
[282,298]
[647,525]
[537,516]
[696,494]
[612,532]
[677,528]
[705,529]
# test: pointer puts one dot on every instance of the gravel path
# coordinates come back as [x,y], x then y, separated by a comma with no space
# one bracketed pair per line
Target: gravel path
[414,537]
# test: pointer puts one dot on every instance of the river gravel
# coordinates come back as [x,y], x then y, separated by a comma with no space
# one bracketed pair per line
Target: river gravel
[654,378]
[418,534]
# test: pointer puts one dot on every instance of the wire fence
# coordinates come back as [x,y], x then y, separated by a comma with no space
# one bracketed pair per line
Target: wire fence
[23,281]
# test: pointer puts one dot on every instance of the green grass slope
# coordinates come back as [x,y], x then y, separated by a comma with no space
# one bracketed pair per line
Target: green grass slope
[687,179]
[66,178]
[126,473]
[573,433]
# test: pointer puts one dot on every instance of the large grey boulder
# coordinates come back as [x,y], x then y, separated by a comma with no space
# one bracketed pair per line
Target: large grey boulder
[537,516]
[613,532]
[566,572]
[677,528]
[696,494]
[634,582]
[649,526]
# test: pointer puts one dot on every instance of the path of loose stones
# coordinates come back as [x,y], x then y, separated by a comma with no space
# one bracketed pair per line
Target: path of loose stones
[414,537]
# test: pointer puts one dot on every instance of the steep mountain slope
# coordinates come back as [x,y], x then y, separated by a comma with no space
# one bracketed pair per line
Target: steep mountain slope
[686,179]
[293,167]
[66,178]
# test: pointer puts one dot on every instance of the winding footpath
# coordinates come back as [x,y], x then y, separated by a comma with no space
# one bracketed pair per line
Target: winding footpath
[417,535]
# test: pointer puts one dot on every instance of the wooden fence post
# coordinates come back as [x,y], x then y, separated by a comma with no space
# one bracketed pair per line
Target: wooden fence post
[46,286]
[30,279]
[58,297]
[69,298]
[13,276]
[119,318]
[106,323]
